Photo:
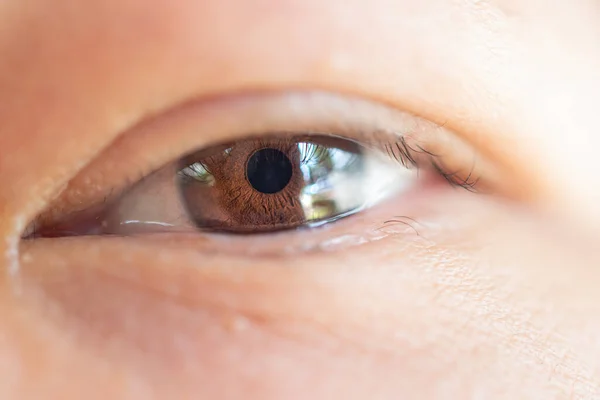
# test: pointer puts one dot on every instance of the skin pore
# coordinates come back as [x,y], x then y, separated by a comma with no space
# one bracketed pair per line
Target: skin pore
[494,298]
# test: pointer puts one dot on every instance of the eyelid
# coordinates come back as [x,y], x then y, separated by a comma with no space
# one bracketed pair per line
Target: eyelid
[159,141]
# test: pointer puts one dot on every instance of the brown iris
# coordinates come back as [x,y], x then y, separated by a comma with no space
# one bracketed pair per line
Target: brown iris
[253,185]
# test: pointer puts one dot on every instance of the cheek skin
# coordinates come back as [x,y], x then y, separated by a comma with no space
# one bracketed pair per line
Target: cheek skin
[417,315]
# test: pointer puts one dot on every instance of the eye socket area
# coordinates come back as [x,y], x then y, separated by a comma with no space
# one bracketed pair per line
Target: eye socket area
[407,140]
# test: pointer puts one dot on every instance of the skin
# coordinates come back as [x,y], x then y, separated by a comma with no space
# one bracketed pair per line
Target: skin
[495,299]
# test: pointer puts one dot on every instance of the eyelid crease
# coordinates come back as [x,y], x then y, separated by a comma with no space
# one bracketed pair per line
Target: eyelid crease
[141,151]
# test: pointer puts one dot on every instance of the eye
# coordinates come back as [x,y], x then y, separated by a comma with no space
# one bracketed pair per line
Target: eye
[261,185]
[249,186]
[289,173]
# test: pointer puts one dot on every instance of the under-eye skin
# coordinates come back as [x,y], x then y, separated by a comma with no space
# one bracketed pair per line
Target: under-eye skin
[277,179]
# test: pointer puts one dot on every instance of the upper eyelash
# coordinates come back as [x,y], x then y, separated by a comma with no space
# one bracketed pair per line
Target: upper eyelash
[402,152]
[454,180]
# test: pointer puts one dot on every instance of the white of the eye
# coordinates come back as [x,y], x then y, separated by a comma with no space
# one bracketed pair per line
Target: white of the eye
[385,178]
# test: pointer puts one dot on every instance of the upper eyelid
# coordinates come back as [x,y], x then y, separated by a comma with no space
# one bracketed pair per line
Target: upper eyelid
[150,145]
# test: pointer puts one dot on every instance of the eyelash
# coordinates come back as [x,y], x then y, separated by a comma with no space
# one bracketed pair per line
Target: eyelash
[401,152]
[468,183]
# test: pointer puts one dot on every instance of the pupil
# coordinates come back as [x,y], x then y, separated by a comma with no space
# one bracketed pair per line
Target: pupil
[269,170]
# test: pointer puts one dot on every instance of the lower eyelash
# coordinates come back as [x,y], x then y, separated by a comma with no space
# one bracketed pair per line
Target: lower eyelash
[401,220]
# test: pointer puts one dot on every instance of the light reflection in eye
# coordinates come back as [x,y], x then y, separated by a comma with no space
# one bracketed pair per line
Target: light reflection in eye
[327,177]
[199,172]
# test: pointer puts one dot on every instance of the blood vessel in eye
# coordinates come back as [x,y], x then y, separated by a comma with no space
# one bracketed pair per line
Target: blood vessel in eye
[269,170]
